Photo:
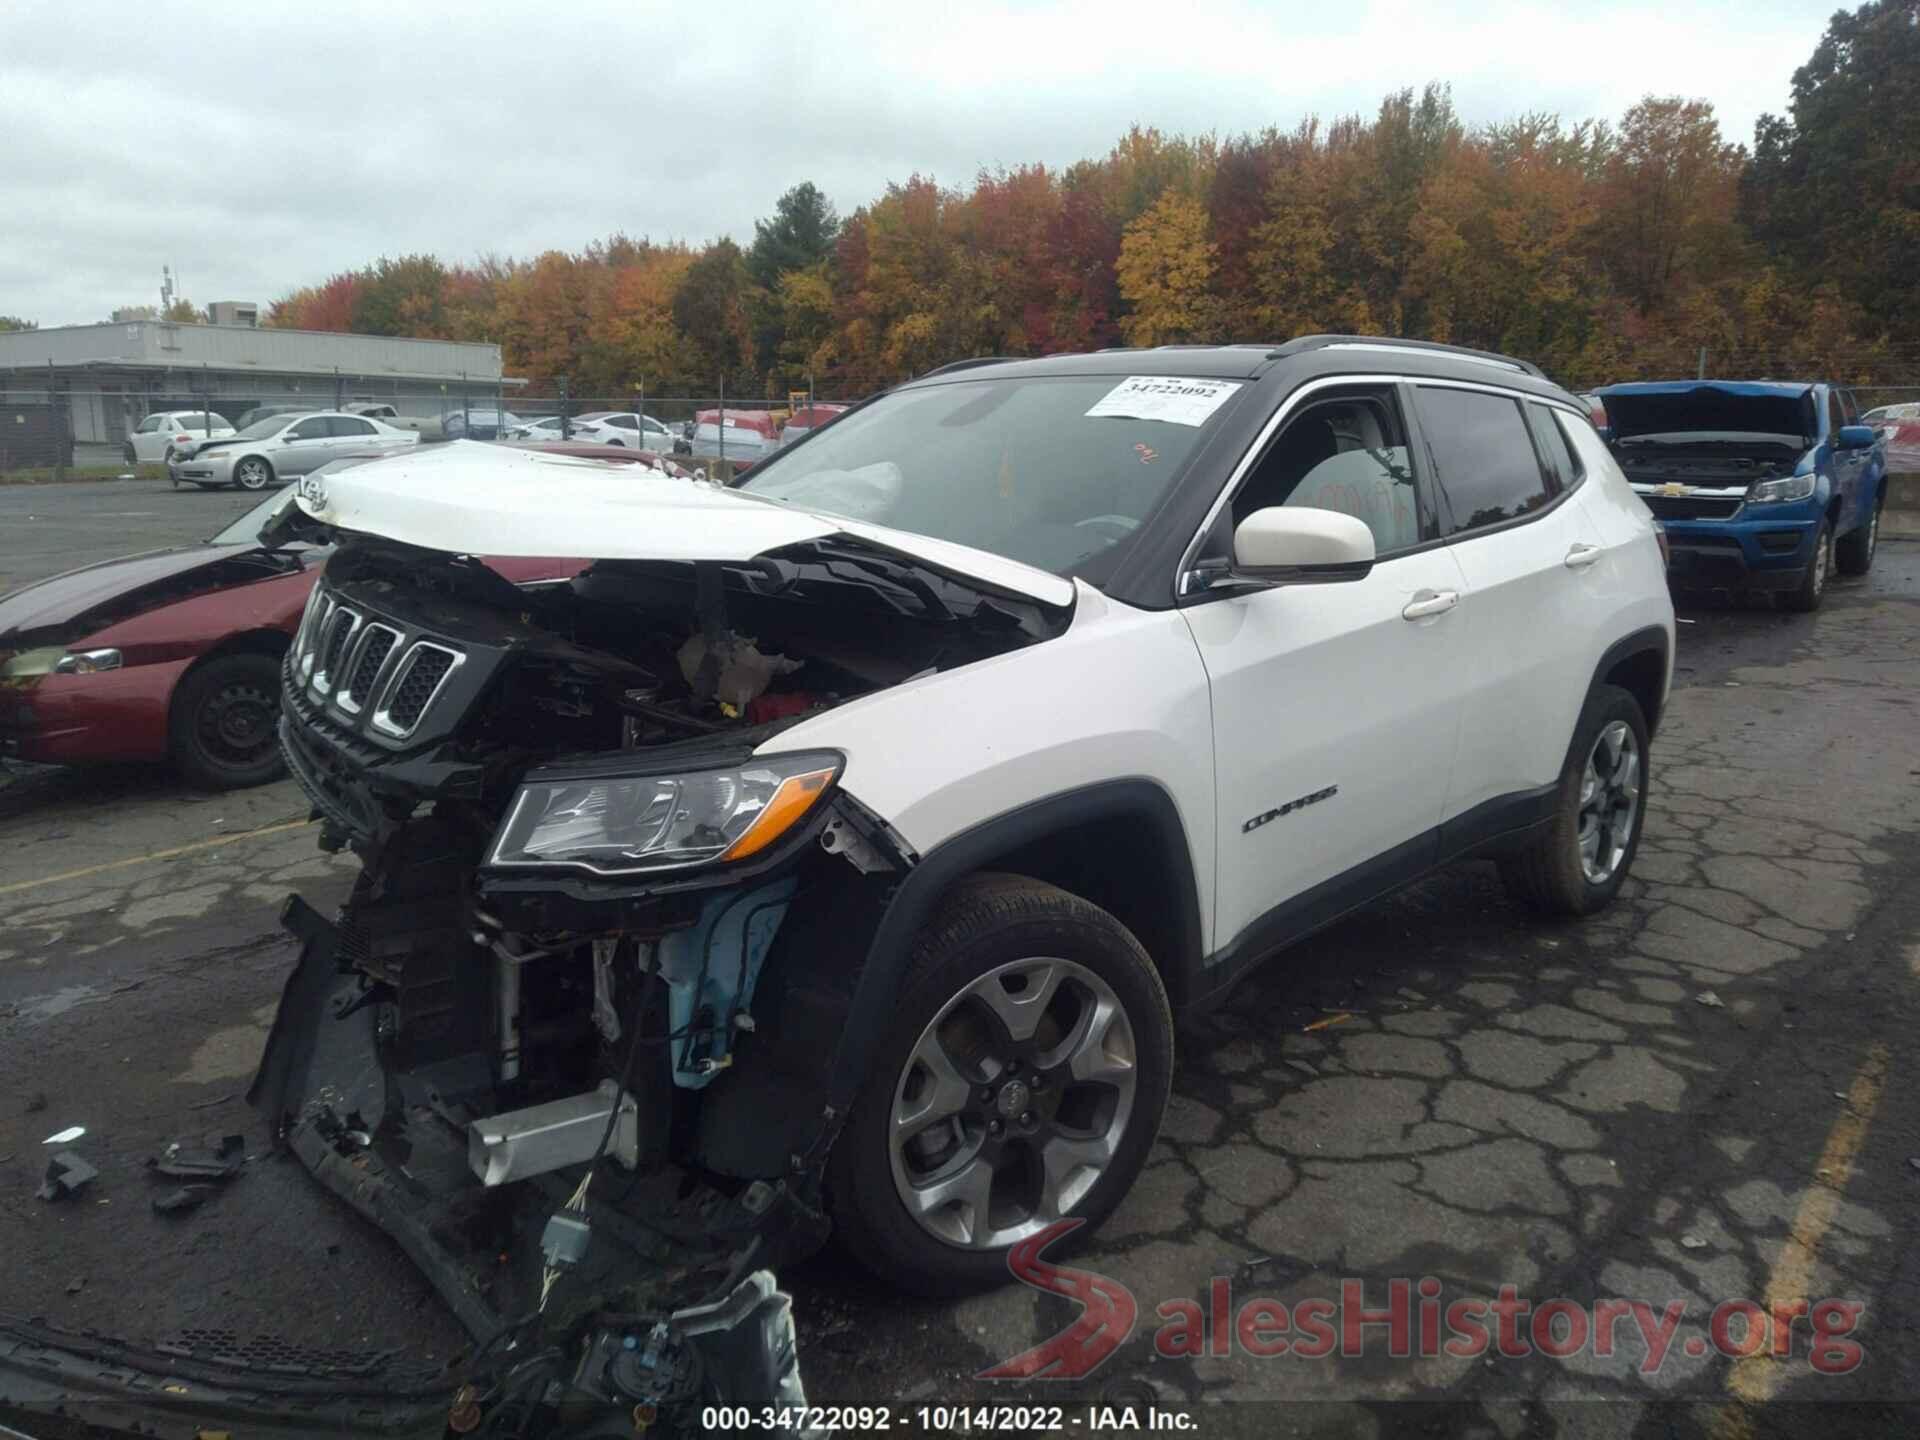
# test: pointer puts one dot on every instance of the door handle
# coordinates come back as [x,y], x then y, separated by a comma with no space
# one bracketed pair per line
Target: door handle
[1582,555]
[1430,602]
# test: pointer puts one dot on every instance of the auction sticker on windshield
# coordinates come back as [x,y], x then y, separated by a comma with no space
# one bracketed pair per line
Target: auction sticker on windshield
[1173,398]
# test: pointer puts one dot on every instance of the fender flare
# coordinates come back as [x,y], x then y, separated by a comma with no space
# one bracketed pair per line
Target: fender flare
[1651,640]
[976,848]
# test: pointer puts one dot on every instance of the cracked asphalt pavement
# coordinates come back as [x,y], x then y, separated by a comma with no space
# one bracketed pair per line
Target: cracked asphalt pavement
[1704,1095]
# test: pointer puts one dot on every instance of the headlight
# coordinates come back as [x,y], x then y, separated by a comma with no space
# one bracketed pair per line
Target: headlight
[213,455]
[86,662]
[31,663]
[1794,487]
[621,824]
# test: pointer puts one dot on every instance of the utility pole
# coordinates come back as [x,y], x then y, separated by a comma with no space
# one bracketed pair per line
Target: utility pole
[565,429]
[1703,363]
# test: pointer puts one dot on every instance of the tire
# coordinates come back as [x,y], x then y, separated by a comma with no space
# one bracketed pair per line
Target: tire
[1812,589]
[1552,873]
[252,473]
[1853,552]
[223,721]
[1000,936]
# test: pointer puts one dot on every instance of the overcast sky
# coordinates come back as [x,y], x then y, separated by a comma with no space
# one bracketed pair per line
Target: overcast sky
[256,151]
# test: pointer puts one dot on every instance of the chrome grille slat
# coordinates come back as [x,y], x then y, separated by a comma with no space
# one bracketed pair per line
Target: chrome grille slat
[416,682]
[335,640]
[376,646]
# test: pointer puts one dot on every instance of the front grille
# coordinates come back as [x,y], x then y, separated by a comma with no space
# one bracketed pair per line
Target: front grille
[375,646]
[353,663]
[420,677]
[1691,507]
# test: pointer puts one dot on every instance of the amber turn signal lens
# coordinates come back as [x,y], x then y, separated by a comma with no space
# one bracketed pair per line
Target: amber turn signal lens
[794,798]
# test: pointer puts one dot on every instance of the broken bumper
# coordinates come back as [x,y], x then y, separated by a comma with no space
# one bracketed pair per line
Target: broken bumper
[641,1328]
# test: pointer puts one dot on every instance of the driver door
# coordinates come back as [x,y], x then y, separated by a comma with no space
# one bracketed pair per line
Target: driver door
[1336,707]
[304,446]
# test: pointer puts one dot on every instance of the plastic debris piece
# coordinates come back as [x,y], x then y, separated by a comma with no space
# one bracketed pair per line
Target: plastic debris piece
[185,1161]
[66,1136]
[66,1173]
[76,1285]
[1710,1000]
[1692,1242]
[187,1197]
[1322,1024]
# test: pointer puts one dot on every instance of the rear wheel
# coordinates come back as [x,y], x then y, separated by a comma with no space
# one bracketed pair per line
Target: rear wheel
[1023,1082]
[222,732]
[1853,552]
[1578,865]
[253,473]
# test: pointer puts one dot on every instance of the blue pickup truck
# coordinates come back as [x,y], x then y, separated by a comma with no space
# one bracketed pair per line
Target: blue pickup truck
[1761,485]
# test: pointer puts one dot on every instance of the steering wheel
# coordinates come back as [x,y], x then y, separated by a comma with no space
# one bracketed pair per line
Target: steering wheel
[1119,526]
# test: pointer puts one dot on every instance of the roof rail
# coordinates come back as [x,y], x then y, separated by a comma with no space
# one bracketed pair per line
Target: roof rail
[1304,343]
[967,364]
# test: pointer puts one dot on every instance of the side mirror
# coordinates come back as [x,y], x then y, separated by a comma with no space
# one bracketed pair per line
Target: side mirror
[1297,545]
[1856,437]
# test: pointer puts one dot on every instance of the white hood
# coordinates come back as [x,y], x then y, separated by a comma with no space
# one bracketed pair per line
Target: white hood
[473,498]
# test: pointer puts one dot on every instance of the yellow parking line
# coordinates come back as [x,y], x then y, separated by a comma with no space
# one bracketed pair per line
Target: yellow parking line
[153,855]
[1753,1379]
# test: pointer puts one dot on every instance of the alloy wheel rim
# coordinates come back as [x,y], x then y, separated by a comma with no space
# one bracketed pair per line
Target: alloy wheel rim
[1609,801]
[1012,1103]
[252,475]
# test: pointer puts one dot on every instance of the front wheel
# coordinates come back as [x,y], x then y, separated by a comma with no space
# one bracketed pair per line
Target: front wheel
[253,473]
[1023,1082]
[1813,586]
[1853,554]
[222,727]
[1580,861]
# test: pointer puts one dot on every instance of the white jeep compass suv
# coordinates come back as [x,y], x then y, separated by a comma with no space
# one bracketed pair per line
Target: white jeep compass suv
[837,850]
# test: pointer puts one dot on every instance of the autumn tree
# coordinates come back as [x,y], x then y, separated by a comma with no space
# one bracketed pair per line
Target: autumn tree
[713,309]
[1667,197]
[1166,274]
[14,322]
[403,296]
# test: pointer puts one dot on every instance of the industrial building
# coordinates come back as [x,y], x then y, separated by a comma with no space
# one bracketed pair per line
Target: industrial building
[105,378]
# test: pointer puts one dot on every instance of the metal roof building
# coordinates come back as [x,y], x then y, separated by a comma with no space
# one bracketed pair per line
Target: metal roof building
[110,376]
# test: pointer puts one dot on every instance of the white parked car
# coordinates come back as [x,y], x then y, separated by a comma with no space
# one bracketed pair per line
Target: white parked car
[609,427]
[156,438]
[896,800]
[282,447]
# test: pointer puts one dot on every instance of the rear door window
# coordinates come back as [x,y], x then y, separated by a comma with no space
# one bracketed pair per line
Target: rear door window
[346,425]
[1485,469]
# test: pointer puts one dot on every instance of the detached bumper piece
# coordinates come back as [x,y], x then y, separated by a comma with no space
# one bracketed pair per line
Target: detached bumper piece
[669,1311]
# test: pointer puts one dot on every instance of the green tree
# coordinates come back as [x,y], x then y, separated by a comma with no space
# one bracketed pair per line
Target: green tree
[713,308]
[14,322]
[800,234]
[403,296]
[1833,188]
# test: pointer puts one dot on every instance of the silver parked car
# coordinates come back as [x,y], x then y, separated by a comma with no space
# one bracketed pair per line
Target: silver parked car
[282,447]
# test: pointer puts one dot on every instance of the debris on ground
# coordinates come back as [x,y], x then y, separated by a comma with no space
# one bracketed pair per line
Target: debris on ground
[66,1173]
[184,1160]
[186,1197]
[76,1285]
[209,1104]
[1322,1024]
[1692,1242]
[66,1136]
[1710,1000]
[36,1102]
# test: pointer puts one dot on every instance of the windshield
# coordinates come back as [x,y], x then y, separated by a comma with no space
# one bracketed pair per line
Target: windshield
[246,530]
[1050,471]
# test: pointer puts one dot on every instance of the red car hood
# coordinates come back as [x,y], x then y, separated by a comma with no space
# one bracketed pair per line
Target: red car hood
[109,590]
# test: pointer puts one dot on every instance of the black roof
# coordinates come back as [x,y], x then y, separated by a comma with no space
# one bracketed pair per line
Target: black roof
[1311,353]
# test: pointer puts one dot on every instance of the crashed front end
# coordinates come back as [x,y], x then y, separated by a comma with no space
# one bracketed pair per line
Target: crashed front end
[580,1039]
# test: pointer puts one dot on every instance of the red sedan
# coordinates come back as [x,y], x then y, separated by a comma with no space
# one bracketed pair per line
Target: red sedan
[175,654]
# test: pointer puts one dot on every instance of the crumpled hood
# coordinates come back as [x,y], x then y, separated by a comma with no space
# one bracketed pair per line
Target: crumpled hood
[67,600]
[473,498]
